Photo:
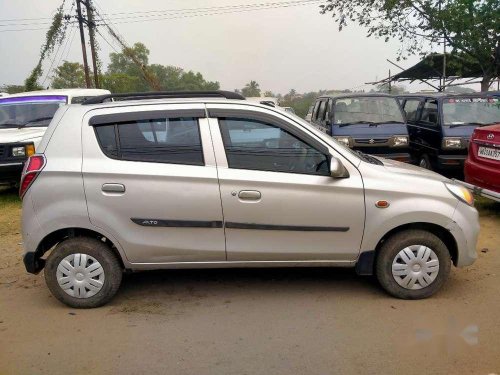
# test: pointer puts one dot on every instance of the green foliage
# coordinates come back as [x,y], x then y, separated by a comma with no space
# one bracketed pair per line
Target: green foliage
[251,89]
[395,89]
[470,27]
[68,75]
[13,89]
[269,94]
[124,75]
[55,35]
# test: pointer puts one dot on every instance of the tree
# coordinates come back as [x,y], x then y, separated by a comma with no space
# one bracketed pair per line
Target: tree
[269,94]
[68,75]
[123,74]
[395,89]
[469,27]
[251,89]
[121,63]
[120,82]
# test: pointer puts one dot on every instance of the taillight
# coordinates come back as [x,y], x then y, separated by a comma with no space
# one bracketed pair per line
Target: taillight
[32,169]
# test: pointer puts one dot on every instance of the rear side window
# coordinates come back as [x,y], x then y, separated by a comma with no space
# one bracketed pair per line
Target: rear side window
[162,140]
[411,108]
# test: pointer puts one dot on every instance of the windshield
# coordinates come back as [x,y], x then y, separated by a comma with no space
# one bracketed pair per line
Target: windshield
[463,111]
[29,111]
[375,110]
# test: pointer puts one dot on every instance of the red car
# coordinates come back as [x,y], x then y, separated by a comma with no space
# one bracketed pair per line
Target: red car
[482,167]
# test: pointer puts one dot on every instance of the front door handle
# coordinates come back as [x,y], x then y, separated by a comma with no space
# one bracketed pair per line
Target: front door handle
[113,188]
[250,195]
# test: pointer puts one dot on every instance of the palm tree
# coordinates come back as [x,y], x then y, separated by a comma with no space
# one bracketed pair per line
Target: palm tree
[251,89]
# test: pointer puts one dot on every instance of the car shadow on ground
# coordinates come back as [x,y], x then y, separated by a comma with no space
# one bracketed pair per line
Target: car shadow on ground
[185,285]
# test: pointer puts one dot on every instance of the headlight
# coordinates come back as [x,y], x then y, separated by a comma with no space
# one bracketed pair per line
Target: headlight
[18,151]
[346,141]
[399,140]
[461,193]
[452,143]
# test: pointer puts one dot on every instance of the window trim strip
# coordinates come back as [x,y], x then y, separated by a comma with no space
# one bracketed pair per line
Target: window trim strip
[177,223]
[298,228]
[272,120]
[117,118]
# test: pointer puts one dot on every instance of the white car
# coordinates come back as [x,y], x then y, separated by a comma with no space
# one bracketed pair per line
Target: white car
[23,120]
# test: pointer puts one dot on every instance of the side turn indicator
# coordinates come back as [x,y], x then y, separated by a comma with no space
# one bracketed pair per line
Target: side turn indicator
[381,204]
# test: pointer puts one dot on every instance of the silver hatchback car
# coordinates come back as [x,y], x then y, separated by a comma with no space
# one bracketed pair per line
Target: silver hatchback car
[206,179]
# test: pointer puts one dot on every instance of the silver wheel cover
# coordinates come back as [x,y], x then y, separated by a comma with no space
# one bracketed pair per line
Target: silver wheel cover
[80,275]
[415,267]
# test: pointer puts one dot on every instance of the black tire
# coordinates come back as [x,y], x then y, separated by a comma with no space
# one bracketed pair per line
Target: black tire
[425,162]
[389,251]
[96,249]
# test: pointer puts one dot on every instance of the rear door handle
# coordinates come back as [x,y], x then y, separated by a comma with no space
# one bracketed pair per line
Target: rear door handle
[249,195]
[113,188]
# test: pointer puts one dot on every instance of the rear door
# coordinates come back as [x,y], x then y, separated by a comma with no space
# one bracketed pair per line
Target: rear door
[279,201]
[151,181]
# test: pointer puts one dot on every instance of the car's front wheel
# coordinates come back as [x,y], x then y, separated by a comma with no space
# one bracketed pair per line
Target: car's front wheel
[413,264]
[83,272]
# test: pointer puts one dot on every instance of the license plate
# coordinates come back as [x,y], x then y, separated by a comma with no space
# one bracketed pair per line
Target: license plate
[489,153]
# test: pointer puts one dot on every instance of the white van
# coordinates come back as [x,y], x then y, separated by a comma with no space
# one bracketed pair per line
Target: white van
[23,120]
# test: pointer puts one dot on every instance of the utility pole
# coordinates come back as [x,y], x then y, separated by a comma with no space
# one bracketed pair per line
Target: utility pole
[84,49]
[91,25]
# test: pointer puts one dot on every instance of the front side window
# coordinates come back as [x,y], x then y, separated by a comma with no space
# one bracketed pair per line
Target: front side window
[430,112]
[257,145]
[376,110]
[463,111]
[411,109]
[163,140]
[29,111]
[322,109]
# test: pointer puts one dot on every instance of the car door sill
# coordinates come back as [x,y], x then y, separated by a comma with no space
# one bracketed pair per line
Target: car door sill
[242,264]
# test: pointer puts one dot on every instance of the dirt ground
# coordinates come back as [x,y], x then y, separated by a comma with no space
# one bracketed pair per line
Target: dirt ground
[265,321]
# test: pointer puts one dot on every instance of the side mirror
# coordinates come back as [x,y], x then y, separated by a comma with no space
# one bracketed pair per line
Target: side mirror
[337,169]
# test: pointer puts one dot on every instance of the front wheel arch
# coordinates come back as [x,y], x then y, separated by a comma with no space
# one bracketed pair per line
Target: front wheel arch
[435,229]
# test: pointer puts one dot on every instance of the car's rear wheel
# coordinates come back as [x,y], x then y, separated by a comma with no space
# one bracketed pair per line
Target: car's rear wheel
[413,264]
[83,272]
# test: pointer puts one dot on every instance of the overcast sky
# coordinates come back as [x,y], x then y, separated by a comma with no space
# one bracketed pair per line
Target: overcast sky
[294,47]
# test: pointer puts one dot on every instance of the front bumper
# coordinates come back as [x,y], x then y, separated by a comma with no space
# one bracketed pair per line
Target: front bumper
[404,157]
[10,172]
[465,230]
[451,161]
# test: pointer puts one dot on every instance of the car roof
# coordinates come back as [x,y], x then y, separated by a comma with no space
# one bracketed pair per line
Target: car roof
[439,95]
[65,92]
[156,101]
[357,95]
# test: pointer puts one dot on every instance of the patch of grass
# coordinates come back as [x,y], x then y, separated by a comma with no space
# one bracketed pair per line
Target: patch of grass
[487,207]
[9,196]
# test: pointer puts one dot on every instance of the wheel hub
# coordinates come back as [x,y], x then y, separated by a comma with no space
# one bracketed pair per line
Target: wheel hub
[80,275]
[415,267]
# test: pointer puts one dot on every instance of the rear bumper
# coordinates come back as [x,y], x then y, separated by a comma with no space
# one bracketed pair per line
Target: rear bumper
[11,172]
[483,176]
[33,263]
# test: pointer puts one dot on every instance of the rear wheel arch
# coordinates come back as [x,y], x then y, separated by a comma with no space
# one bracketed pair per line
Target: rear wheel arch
[58,236]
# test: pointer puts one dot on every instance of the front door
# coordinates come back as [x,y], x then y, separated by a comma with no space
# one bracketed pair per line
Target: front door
[150,180]
[279,201]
